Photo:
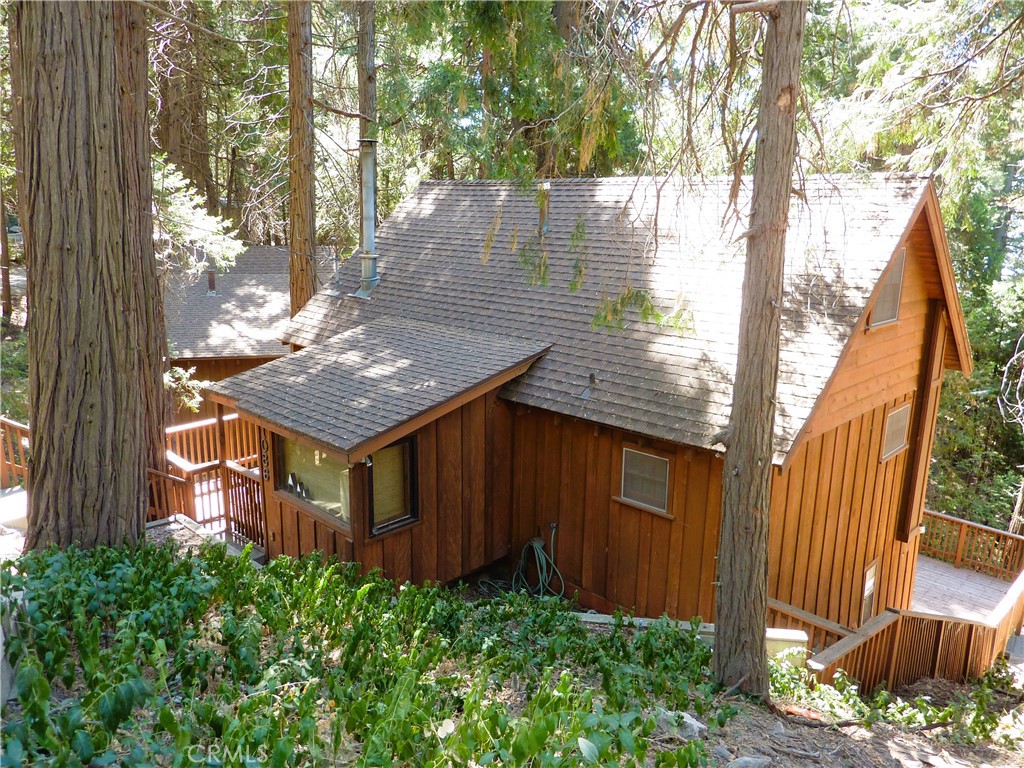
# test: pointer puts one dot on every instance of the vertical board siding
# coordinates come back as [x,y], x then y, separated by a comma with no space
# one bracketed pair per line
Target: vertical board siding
[568,472]
[464,486]
[839,502]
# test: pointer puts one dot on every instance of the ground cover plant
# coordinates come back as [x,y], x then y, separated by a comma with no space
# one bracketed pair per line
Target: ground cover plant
[989,709]
[153,656]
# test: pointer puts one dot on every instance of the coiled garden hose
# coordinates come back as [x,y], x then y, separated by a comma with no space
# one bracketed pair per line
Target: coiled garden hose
[544,565]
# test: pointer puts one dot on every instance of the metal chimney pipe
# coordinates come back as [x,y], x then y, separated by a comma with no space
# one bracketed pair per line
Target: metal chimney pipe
[368,215]
[211,282]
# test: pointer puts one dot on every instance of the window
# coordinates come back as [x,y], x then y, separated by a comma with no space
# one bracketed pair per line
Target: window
[887,305]
[867,608]
[315,476]
[645,479]
[392,486]
[897,425]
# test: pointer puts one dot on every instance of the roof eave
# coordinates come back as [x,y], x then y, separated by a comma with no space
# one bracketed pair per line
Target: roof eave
[948,279]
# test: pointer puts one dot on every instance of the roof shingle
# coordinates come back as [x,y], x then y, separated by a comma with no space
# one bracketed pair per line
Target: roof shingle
[371,379]
[468,254]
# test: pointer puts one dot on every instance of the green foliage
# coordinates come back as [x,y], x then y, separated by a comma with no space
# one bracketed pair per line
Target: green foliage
[186,391]
[152,656]
[185,236]
[14,377]
[613,311]
[986,711]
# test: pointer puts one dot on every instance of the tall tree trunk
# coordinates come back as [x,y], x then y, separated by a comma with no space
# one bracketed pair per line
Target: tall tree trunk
[87,471]
[133,70]
[6,302]
[182,125]
[16,137]
[302,194]
[741,657]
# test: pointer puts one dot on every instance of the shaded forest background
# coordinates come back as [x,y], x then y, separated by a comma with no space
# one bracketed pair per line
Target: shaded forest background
[577,88]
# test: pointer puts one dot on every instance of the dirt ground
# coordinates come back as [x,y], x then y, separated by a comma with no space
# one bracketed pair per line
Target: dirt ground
[789,742]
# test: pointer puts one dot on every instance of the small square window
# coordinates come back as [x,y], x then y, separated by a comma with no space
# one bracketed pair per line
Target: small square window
[645,479]
[887,305]
[392,487]
[897,426]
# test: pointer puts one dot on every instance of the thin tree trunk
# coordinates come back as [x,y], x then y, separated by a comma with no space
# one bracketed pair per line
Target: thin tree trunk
[6,302]
[302,194]
[87,471]
[741,657]
[182,129]
[16,140]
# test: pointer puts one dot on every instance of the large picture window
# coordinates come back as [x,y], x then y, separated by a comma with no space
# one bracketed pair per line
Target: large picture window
[645,479]
[393,487]
[315,476]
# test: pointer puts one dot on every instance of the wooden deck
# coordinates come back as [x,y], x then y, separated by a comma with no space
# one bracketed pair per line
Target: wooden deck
[944,589]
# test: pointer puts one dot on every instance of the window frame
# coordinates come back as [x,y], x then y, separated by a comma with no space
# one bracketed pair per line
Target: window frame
[868,610]
[902,407]
[307,506]
[894,273]
[375,533]
[665,456]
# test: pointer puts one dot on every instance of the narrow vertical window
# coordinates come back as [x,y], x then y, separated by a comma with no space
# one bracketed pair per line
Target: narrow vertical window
[867,608]
[393,487]
[887,305]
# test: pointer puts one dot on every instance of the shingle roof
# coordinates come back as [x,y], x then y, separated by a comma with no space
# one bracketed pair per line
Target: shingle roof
[372,379]
[247,315]
[466,253]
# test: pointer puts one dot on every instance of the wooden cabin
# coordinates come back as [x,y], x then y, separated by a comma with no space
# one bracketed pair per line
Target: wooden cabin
[228,322]
[565,360]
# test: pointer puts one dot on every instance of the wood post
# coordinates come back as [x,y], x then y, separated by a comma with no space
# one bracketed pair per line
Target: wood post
[225,478]
[960,534]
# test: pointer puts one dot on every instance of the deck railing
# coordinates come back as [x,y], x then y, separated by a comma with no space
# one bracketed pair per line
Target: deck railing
[901,647]
[225,496]
[969,545]
[821,633]
[14,458]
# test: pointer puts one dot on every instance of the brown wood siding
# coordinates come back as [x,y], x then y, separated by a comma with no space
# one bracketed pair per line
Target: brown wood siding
[464,483]
[884,362]
[834,511]
[213,369]
[568,472]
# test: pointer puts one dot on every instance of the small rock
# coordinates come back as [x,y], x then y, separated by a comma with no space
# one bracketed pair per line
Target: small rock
[779,730]
[722,753]
[750,761]
[682,725]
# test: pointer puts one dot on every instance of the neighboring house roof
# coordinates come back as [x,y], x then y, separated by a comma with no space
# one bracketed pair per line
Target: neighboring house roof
[371,385]
[468,254]
[245,316]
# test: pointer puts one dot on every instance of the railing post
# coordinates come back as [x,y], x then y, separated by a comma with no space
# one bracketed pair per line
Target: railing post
[225,478]
[960,536]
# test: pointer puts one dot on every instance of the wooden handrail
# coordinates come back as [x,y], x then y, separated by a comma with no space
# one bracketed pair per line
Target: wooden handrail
[12,423]
[234,466]
[1010,599]
[187,466]
[971,524]
[201,424]
[836,651]
[809,618]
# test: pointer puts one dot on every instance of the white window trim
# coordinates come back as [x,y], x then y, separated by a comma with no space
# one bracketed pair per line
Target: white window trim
[668,482]
[906,435]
